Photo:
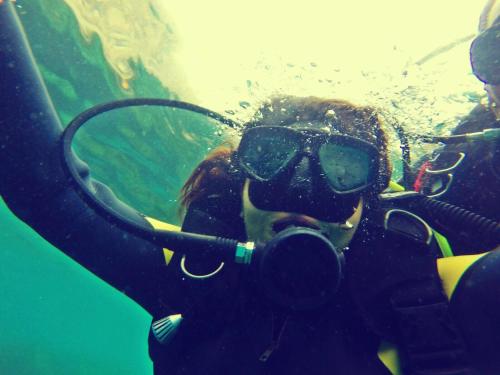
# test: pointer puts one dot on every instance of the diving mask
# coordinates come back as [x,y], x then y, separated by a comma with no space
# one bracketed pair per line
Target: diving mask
[347,163]
[485,55]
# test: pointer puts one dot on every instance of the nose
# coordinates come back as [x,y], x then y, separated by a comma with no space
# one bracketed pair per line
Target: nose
[301,182]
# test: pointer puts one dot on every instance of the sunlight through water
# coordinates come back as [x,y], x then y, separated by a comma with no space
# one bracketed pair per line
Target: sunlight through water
[409,59]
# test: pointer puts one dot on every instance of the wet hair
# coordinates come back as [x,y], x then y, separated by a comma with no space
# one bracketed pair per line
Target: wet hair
[211,176]
[215,174]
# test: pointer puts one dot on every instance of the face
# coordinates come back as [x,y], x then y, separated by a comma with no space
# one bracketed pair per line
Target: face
[262,225]
[317,185]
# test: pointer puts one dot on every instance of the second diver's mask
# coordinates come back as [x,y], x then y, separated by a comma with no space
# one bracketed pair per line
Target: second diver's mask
[301,169]
[485,55]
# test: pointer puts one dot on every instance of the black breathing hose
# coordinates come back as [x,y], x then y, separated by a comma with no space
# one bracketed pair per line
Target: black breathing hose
[460,220]
[186,242]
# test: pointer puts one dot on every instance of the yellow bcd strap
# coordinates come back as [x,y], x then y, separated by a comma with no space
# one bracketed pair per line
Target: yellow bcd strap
[157,224]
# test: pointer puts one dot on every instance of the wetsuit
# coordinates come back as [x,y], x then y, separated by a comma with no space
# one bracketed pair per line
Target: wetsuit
[228,325]
[233,335]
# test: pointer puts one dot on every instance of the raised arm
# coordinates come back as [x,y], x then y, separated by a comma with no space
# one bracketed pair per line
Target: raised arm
[34,186]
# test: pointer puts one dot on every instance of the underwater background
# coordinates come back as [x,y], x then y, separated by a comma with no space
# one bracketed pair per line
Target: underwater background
[55,316]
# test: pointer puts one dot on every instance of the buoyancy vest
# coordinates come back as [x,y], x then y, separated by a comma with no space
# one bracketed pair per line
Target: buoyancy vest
[248,330]
[431,319]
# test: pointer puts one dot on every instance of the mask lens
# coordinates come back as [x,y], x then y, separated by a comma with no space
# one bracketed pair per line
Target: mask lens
[265,153]
[485,56]
[347,168]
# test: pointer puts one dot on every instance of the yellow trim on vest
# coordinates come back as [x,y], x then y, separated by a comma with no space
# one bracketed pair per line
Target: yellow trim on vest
[388,354]
[451,270]
[394,186]
[167,254]
[157,224]
[443,244]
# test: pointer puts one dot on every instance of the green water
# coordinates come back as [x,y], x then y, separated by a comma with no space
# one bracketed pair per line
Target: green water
[78,76]
[56,317]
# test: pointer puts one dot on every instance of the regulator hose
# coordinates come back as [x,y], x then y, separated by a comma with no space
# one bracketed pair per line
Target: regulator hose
[184,241]
[491,134]
[460,220]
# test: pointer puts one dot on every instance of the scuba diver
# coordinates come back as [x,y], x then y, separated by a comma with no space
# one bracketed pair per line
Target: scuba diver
[328,275]
[465,171]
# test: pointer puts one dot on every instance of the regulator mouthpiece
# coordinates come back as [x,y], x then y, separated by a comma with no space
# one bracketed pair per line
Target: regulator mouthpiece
[300,269]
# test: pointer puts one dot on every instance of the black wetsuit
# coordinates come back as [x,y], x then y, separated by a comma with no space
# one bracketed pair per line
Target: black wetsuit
[233,325]
[228,326]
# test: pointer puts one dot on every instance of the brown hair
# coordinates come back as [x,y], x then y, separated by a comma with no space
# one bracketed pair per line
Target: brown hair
[209,176]
[213,174]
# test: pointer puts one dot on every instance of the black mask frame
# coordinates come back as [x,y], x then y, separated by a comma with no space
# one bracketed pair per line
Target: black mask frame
[297,144]
[485,55]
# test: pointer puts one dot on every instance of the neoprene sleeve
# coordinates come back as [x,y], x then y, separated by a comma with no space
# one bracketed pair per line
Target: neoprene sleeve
[35,188]
[475,306]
